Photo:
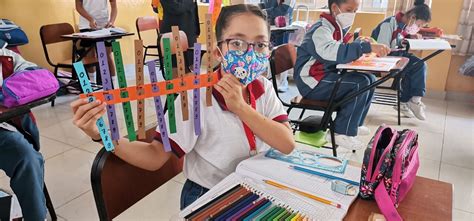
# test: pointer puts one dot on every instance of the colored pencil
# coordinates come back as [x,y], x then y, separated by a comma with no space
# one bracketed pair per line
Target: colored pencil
[317,198]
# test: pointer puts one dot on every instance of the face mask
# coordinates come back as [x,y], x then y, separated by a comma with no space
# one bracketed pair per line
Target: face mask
[345,19]
[245,67]
[412,29]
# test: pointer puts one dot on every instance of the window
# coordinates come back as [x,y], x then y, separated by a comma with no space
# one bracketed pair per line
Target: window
[366,5]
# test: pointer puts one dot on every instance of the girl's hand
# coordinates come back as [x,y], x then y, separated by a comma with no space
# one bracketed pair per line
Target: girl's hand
[109,24]
[93,24]
[380,49]
[86,114]
[231,90]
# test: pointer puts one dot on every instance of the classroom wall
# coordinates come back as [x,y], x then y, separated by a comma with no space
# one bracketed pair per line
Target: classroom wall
[32,14]
[442,69]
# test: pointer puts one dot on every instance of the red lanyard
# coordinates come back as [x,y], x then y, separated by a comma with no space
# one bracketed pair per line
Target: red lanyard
[248,132]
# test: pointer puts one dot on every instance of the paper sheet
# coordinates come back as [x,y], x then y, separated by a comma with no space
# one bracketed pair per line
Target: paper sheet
[429,44]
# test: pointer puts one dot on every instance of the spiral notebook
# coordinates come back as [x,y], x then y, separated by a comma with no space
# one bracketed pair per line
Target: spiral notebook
[251,174]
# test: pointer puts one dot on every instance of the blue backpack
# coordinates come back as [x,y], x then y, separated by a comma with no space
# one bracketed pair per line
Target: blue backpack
[12,33]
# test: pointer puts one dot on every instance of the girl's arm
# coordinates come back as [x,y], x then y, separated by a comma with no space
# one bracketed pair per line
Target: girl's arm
[277,135]
[148,156]
[113,13]
[80,9]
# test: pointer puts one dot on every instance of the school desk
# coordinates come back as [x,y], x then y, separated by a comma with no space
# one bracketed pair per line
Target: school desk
[76,56]
[428,200]
[7,114]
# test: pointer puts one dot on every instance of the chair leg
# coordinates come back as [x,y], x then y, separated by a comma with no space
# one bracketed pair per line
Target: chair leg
[144,55]
[56,75]
[49,204]
[333,139]
[398,102]
[301,115]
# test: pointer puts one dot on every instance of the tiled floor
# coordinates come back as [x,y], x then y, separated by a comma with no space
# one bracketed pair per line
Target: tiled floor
[446,141]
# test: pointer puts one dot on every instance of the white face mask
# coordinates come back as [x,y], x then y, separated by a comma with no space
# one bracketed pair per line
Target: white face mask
[345,19]
[412,29]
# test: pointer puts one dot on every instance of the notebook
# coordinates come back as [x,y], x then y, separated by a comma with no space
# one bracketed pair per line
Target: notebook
[429,44]
[101,32]
[252,173]
[371,63]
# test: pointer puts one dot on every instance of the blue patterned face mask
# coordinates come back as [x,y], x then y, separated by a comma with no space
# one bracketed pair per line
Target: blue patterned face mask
[245,67]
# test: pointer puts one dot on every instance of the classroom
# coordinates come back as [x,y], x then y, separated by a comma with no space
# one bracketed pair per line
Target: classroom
[236,110]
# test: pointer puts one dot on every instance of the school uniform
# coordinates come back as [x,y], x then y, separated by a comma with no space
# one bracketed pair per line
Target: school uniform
[19,154]
[99,10]
[224,141]
[324,46]
[391,33]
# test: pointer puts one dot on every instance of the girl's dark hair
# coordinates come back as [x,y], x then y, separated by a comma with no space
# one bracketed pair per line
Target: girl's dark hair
[232,10]
[420,11]
[337,2]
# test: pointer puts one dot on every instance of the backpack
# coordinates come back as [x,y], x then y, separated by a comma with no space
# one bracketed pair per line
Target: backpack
[12,33]
[389,169]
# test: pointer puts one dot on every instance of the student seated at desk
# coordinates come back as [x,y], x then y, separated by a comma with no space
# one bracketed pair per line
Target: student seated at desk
[94,14]
[246,116]
[18,156]
[391,32]
[325,45]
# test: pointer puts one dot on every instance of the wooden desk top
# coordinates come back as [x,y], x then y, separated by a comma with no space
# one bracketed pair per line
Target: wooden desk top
[428,200]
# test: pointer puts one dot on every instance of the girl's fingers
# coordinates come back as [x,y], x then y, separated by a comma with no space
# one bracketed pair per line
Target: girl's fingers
[96,117]
[81,110]
[221,90]
[77,103]
[89,115]
[226,84]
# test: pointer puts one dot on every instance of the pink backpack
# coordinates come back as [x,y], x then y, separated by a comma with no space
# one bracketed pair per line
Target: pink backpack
[389,169]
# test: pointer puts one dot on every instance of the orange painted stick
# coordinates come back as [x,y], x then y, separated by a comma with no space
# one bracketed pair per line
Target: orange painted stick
[178,86]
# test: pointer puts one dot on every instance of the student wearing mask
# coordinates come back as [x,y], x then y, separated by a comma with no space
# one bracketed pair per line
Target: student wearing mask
[325,45]
[391,32]
[246,117]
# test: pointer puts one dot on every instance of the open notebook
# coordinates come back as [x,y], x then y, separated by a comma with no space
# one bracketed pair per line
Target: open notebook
[371,63]
[252,173]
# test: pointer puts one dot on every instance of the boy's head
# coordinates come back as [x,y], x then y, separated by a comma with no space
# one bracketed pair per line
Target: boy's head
[343,6]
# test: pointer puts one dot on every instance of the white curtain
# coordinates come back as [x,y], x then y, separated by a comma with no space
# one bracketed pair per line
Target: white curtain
[466,29]
[395,6]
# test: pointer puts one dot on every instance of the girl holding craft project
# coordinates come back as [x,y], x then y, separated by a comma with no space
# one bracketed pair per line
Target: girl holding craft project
[246,117]
[325,45]
[391,32]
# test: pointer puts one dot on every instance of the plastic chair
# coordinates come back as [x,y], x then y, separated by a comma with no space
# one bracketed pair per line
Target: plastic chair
[51,34]
[146,24]
[282,59]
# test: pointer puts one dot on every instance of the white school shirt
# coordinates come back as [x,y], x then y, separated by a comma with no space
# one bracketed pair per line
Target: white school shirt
[215,154]
[98,9]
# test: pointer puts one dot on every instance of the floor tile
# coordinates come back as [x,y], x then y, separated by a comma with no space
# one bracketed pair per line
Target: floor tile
[430,145]
[458,147]
[180,178]
[66,132]
[162,204]
[68,175]
[429,168]
[459,215]
[81,208]
[50,148]
[463,182]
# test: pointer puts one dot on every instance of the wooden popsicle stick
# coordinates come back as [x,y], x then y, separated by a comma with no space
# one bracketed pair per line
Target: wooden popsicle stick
[209,57]
[181,71]
[140,89]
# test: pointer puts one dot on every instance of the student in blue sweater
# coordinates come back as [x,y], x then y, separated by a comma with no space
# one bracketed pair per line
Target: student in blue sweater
[325,45]
[391,32]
